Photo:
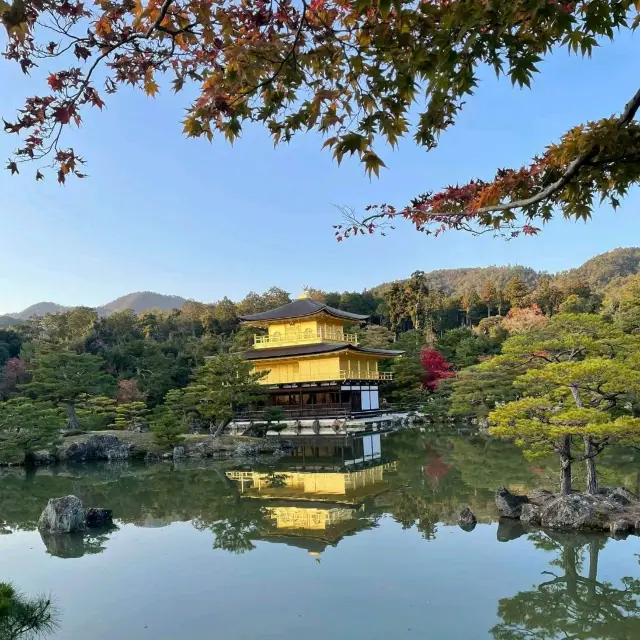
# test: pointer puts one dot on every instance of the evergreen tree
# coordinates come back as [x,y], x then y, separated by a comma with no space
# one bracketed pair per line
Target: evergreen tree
[582,373]
[62,376]
[24,617]
[171,420]
[27,427]
[131,416]
[516,292]
[220,387]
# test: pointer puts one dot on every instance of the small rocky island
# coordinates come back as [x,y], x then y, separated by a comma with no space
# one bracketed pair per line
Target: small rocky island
[616,511]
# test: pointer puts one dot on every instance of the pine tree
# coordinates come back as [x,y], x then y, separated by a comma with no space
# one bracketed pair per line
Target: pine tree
[27,427]
[62,376]
[220,387]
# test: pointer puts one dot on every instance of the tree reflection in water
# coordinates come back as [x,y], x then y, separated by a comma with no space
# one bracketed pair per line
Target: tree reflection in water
[572,603]
[22,617]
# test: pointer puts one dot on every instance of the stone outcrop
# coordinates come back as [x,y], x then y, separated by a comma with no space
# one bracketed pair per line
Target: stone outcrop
[96,517]
[179,452]
[530,513]
[68,515]
[622,527]
[63,515]
[509,505]
[614,510]
[467,519]
[99,447]
[576,511]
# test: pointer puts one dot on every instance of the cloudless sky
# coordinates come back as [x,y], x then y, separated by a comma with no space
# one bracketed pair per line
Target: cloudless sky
[163,213]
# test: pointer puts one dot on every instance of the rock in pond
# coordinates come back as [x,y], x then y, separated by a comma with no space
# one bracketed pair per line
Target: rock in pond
[179,452]
[509,505]
[100,447]
[467,519]
[575,511]
[621,527]
[530,514]
[63,515]
[97,517]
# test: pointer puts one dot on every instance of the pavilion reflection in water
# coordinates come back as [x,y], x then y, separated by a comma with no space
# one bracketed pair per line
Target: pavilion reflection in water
[319,495]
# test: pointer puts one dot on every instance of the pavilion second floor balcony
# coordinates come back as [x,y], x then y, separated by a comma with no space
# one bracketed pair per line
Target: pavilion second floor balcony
[286,339]
[343,375]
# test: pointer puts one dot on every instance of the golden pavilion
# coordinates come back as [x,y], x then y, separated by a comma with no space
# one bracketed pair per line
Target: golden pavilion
[315,368]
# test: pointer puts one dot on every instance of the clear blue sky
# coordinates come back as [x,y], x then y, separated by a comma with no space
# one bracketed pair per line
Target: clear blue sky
[163,213]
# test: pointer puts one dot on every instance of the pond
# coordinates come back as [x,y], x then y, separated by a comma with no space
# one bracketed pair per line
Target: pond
[334,542]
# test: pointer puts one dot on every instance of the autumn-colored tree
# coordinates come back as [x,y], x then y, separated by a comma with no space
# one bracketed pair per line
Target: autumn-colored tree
[470,301]
[352,70]
[520,320]
[12,374]
[489,295]
[128,391]
[436,368]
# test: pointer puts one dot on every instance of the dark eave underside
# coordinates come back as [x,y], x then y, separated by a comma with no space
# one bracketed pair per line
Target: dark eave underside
[302,308]
[314,349]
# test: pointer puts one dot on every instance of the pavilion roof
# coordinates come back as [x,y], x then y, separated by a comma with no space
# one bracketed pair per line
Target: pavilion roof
[301,308]
[313,349]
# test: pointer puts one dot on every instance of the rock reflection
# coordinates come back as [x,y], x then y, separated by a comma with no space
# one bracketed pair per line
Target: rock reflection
[571,601]
[76,545]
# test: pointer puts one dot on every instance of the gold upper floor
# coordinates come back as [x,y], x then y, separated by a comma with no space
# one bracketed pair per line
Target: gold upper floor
[304,331]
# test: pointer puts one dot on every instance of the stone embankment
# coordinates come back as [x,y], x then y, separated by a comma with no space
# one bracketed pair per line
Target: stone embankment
[616,511]
[106,446]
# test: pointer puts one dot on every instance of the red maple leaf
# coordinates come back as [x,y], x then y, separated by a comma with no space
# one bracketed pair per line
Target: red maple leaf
[55,82]
[62,115]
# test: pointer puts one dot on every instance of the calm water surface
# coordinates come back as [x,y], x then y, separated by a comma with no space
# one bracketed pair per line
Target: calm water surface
[322,545]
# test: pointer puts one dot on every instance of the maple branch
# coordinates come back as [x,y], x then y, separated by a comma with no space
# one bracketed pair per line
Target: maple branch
[571,171]
[291,53]
[459,220]
[162,15]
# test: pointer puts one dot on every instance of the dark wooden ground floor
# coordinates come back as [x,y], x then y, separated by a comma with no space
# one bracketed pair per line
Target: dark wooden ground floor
[321,401]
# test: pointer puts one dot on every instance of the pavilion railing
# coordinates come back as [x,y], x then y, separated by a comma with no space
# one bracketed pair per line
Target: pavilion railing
[281,377]
[326,411]
[304,337]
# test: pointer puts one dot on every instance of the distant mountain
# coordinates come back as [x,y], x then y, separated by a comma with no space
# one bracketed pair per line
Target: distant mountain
[142,301]
[599,271]
[39,309]
[138,302]
[8,321]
